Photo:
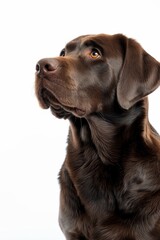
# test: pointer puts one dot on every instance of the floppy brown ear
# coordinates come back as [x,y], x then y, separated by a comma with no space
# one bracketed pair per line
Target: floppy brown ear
[140,75]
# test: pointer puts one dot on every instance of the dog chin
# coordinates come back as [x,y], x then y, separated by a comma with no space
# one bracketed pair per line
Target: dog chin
[59,112]
[66,112]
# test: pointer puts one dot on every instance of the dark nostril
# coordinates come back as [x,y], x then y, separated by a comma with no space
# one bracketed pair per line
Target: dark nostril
[48,67]
[38,67]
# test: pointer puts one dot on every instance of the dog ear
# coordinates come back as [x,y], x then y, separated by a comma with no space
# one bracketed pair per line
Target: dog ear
[140,75]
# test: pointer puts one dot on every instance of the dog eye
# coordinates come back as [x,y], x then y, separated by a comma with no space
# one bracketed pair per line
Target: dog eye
[62,53]
[95,53]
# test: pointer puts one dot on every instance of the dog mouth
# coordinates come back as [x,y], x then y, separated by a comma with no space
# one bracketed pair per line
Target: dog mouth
[48,100]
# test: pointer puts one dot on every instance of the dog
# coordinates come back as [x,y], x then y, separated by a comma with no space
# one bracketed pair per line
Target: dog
[110,179]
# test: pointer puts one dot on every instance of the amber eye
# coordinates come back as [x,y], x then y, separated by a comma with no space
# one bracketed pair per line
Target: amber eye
[95,53]
[62,53]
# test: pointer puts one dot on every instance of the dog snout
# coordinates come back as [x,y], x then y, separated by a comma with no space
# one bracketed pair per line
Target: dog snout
[46,66]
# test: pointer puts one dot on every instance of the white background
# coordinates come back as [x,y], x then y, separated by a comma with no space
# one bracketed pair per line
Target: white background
[32,141]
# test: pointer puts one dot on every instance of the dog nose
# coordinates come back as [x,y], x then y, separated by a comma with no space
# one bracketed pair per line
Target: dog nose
[46,66]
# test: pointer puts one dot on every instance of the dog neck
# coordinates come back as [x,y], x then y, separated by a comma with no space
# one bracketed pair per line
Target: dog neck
[106,131]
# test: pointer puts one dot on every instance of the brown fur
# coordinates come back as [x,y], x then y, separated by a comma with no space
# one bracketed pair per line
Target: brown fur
[110,179]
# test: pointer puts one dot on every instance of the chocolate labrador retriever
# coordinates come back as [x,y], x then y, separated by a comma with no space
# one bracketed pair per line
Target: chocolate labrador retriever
[110,179]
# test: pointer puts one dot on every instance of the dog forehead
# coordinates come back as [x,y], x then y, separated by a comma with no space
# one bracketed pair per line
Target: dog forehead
[76,42]
[103,40]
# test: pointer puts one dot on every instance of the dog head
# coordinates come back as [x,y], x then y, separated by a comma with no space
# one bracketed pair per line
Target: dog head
[94,72]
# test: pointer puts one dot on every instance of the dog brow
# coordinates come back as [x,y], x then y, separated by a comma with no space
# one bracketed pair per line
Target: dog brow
[92,43]
[71,46]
